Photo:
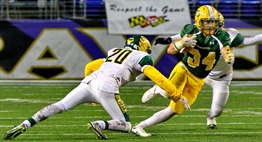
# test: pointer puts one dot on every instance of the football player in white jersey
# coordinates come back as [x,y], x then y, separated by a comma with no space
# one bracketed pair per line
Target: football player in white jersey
[219,78]
[101,85]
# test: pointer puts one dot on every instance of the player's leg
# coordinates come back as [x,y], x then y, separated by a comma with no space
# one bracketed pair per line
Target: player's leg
[75,97]
[158,117]
[179,78]
[152,92]
[115,107]
[156,90]
[219,100]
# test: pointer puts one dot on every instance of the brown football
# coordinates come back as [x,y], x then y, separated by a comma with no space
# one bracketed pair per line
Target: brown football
[185,49]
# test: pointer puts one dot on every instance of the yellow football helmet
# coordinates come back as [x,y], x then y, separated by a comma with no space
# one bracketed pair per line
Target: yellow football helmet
[139,43]
[207,19]
[221,20]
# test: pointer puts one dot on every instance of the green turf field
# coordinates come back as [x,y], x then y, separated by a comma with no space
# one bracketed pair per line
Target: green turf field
[240,122]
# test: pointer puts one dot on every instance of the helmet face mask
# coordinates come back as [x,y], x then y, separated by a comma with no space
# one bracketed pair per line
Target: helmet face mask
[209,26]
[207,19]
[139,43]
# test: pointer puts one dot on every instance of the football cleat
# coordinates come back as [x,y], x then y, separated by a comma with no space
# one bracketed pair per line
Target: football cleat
[211,123]
[211,126]
[14,132]
[139,131]
[183,100]
[94,127]
[149,94]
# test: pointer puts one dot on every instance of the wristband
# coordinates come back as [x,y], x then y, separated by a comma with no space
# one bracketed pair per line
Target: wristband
[178,46]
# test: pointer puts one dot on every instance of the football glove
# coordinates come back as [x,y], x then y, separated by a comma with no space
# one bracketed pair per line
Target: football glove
[163,41]
[228,55]
[186,42]
[230,58]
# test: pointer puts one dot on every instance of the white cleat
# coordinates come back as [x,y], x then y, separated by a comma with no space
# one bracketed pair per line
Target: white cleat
[149,94]
[139,131]
[211,123]
[184,101]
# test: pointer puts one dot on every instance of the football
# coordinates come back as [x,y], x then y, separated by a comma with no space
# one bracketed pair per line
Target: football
[185,49]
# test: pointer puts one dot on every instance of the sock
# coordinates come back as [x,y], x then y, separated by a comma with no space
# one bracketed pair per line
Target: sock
[160,116]
[30,122]
[101,124]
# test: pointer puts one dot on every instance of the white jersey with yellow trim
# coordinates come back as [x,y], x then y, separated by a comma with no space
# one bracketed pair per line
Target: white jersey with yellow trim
[222,69]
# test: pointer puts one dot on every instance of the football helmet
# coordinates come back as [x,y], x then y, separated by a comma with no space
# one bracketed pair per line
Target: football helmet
[207,19]
[221,20]
[139,43]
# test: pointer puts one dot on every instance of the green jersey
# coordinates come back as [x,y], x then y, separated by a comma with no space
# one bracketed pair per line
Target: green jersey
[204,56]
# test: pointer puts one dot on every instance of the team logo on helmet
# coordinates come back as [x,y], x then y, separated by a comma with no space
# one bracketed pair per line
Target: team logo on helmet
[139,43]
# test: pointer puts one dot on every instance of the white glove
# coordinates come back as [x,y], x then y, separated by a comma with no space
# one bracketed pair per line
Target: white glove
[189,41]
[185,103]
[186,42]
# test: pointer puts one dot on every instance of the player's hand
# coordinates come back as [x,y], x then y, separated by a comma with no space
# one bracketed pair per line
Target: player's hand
[230,58]
[189,41]
[183,100]
[163,41]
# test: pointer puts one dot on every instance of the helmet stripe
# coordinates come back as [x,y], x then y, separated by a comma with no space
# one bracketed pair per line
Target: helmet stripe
[210,11]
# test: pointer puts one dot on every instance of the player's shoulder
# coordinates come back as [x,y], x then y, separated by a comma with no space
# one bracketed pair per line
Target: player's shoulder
[232,31]
[189,29]
[222,34]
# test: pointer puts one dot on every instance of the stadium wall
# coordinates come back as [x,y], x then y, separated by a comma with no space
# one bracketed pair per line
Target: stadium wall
[59,49]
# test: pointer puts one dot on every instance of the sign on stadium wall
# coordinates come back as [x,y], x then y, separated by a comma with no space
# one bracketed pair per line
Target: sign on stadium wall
[59,50]
[150,17]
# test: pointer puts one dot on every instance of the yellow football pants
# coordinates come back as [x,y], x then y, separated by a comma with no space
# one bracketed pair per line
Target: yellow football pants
[187,83]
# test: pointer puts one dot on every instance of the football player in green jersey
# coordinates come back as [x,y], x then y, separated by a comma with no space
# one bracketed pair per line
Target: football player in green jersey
[205,46]
[219,78]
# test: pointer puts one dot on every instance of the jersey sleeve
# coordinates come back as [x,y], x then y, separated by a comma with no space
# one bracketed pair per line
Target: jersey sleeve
[237,40]
[187,29]
[224,37]
[175,37]
[147,60]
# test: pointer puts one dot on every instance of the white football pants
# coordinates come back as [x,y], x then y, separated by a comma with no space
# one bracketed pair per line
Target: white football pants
[220,95]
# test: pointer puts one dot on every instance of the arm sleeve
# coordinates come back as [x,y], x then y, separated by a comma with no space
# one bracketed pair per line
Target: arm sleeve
[175,37]
[93,66]
[172,92]
[252,40]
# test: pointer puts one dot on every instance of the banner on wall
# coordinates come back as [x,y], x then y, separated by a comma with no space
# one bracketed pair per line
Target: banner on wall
[43,50]
[147,17]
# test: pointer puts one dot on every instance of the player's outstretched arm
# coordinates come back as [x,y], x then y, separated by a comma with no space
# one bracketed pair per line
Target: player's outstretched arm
[167,40]
[257,39]
[93,66]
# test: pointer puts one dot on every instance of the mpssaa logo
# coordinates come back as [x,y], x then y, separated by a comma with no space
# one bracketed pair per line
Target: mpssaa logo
[146,21]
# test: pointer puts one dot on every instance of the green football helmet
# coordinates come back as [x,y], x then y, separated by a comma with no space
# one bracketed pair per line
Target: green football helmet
[139,43]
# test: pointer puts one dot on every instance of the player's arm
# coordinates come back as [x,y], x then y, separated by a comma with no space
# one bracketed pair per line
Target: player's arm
[186,41]
[93,66]
[227,55]
[172,49]
[167,40]
[252,40]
